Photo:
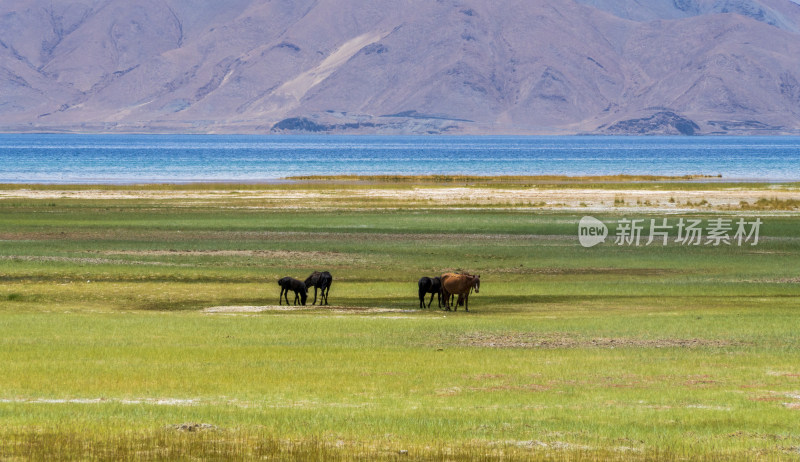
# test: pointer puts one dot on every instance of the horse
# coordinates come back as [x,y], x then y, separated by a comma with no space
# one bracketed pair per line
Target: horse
[320,280]
[296,286]
[461,284]
[431,286]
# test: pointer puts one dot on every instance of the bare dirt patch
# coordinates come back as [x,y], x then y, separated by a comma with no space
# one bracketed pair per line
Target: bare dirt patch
[784,374]
[529,340]
[332,309]
[317,256]
[795,404]
[220,253]
[132,401]
[254,309]
[87,261]
[357,309]
[610,271]
[789,280]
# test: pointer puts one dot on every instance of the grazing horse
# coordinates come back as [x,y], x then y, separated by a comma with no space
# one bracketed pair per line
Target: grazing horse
[296,286]
[320,280]
[461,284]
[431,286]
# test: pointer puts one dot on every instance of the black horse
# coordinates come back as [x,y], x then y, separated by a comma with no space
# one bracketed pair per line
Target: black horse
[320,280]
[296,286]
[431,286]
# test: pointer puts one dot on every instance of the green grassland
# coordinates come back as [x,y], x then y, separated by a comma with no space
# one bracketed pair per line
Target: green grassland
[107,345]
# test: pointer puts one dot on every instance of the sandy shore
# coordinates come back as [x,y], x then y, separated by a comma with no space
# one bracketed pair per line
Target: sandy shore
[540,197]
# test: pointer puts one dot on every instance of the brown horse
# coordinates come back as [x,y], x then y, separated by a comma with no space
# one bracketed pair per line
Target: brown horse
[461,284]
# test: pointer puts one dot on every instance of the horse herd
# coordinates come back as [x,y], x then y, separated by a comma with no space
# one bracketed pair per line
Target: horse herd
[318,280]
[445,287]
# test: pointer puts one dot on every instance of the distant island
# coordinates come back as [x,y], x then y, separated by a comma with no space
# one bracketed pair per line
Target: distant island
[524,67]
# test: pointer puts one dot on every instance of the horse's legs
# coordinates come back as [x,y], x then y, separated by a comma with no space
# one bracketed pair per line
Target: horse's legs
[315,296]
[286,296]
[327,290]
[430,301]
[446,299]
[462,300]
[280,297]
[421,297]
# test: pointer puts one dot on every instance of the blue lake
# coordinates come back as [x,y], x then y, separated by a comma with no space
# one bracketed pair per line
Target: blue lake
[60,158]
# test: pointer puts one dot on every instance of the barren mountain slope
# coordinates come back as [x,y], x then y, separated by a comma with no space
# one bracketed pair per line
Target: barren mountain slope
[381,66]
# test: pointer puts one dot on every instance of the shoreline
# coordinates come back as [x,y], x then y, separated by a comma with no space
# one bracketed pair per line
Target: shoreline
[338,180]
[617,197]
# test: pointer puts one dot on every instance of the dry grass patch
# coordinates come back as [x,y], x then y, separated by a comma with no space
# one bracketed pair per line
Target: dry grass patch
[499,178]
[773,203]
[530,340]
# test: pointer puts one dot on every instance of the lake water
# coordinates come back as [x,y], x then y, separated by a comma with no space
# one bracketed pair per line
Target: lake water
[190,158]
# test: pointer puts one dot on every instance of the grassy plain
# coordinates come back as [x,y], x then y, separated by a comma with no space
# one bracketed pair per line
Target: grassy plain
[112,345]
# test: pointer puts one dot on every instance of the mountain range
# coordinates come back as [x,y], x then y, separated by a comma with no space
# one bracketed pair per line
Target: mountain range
[685,67]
